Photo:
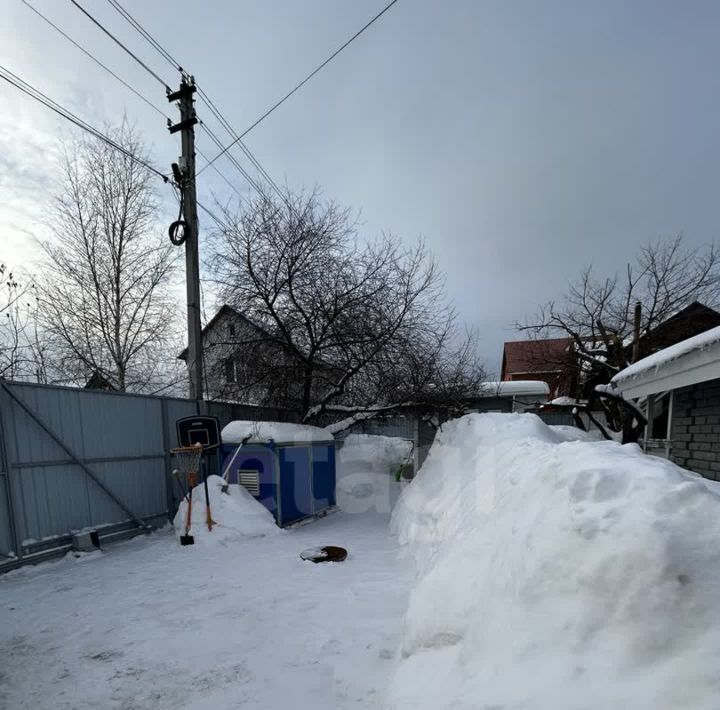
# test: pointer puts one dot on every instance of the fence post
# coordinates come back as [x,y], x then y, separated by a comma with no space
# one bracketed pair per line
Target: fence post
[169,489]
[5,474]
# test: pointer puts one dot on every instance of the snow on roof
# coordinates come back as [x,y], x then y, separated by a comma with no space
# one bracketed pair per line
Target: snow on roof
[563,401]
[514,388]
[696,359]
[252,432]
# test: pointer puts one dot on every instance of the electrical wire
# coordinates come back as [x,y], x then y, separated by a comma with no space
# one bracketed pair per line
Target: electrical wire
[214,217]
[90,55]
[179,225]
[221,174]
[300,85]
[233,134]
[38,96]
[204,97]
[258,188]
[96,60]
[119,43]
[153,42]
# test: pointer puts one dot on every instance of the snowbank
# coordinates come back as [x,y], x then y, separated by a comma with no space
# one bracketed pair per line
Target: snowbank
[566,432]
[557,575]
[281,432]
[237,514]
[366,470]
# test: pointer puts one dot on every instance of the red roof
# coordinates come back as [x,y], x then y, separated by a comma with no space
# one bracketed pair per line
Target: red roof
[532,356]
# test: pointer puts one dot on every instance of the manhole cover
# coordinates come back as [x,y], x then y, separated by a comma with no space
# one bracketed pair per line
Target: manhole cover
[329,553]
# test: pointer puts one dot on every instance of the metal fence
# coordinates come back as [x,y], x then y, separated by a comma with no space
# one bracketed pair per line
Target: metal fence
[410,427]
[74,459]
[555,418]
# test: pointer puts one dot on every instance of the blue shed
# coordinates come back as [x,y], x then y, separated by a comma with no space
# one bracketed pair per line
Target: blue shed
[289,468]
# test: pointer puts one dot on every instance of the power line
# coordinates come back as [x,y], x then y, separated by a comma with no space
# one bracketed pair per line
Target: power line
[301,84]
[212,216]
[119,43]
[233,160]
[153,42]
[37,95]
[96,60]
[233,134]
[205,98]
[89,54]
[222,175]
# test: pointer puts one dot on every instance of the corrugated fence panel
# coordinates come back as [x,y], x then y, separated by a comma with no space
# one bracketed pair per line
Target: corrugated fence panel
[122,439]
[177,409]
[7,548]
[402,427]
[564,418]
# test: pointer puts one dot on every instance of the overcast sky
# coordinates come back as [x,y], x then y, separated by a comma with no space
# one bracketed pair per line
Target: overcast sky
[523,140]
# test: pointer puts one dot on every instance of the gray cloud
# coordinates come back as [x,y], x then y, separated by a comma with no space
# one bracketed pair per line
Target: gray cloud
[522,139]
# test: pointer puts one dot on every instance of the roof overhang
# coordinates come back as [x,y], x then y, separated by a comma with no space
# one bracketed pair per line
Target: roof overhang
[687,363]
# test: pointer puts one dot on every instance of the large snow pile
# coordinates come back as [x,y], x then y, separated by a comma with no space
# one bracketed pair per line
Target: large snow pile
[566,432]
[366,468]
[557,575]
[237,514]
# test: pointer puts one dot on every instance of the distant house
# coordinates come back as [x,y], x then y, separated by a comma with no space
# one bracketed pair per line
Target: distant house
[244,362]
[689,321]
[551,361]
[678,388]
[98,381]
[513,396]
[555,360]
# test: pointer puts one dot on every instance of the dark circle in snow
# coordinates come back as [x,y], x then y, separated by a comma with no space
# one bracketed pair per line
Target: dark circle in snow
[329,553]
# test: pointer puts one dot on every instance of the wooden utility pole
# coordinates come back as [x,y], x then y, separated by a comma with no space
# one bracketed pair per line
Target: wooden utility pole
[184,173]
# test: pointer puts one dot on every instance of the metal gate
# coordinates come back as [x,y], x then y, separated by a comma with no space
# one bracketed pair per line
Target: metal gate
[78,459]
[73,459]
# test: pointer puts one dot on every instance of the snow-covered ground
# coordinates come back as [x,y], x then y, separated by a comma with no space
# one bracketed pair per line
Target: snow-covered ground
[557,574]
[547,571]
[236,621]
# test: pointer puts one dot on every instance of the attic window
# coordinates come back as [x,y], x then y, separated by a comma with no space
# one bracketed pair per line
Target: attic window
[231,329]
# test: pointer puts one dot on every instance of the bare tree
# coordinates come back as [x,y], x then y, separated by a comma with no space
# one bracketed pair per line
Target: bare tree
[22,347]
[359,325]
[612,322]
[104,290]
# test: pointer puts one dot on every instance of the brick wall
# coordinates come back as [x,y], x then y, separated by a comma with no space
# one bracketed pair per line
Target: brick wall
[695,433]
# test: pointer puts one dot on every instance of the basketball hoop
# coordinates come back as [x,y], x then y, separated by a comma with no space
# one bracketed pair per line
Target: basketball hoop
[187,459]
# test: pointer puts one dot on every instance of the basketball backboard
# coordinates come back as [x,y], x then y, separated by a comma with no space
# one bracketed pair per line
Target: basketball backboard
[199,429]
